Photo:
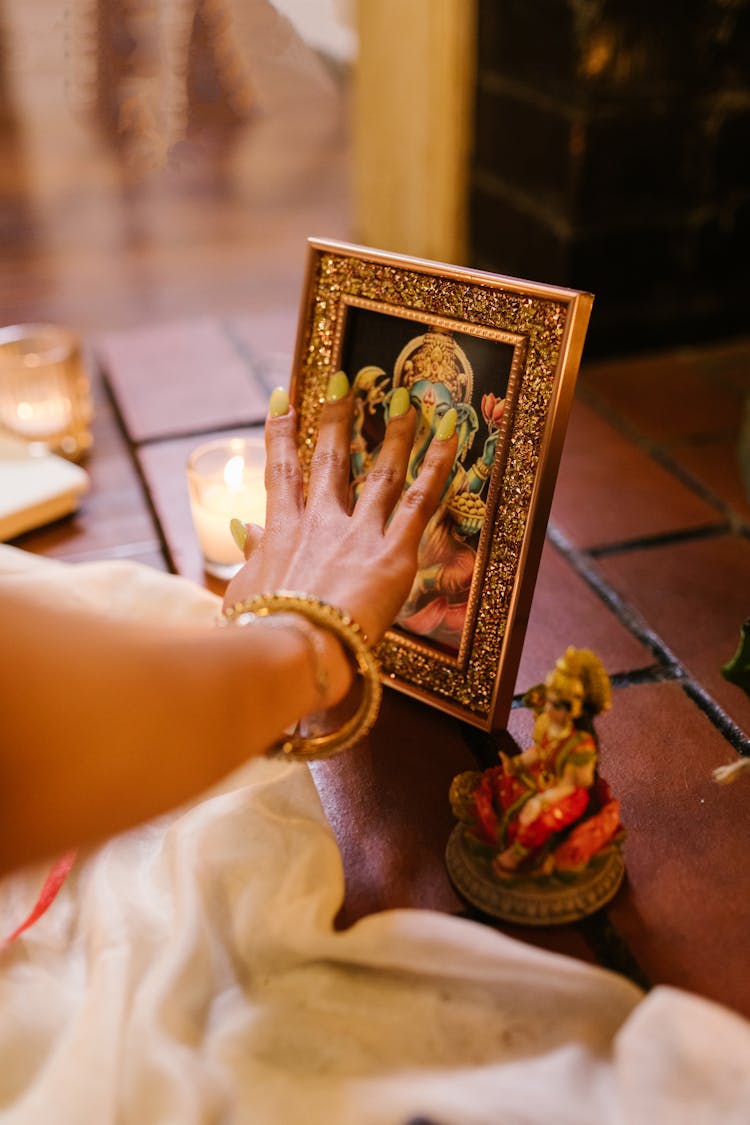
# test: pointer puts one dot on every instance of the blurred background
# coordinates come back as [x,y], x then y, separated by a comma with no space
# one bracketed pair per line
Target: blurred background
[167,158]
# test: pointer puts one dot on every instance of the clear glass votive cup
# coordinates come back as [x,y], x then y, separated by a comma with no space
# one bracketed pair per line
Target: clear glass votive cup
[45,393]
[226,480]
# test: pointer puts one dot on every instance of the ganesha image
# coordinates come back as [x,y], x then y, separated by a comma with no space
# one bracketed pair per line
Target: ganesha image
[438,375]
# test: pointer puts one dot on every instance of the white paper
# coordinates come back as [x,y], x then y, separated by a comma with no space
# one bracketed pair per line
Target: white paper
[35,487]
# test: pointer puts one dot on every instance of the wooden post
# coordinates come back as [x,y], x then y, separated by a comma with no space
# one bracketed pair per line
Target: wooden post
[412,125]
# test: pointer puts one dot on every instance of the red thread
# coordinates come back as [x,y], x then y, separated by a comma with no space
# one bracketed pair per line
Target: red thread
[52,884]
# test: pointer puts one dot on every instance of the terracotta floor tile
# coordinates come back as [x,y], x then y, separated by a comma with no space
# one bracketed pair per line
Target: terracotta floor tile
[610,491]
[664,396]
[719,466]
[566,611]
[728,361]
[695,595]
[684,910]
[520,722]
[369,797]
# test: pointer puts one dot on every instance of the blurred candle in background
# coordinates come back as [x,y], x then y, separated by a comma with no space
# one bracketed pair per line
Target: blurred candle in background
[45,395]
[226,480]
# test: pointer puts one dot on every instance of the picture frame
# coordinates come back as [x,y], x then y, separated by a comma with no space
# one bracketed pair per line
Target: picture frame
[505,352]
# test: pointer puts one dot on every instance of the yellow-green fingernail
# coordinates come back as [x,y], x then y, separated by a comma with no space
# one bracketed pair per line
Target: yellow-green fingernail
[239,533]
[279,402]
[338,387]
[446,425]
[400,402]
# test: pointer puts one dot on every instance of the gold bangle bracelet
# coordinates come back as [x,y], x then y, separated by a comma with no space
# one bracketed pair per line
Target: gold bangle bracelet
[296,747]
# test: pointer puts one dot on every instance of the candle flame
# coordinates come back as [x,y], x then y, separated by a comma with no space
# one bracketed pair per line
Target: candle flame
[234,471]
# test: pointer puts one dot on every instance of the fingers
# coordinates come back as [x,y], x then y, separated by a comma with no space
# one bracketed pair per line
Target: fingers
[283,473]
[385,480]
[421,499]
[329,468]
[247,536]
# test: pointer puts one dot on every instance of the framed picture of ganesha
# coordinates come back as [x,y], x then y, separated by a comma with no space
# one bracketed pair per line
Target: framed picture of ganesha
[504,353]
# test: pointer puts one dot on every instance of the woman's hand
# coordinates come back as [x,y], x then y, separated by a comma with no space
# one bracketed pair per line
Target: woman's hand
[362,561]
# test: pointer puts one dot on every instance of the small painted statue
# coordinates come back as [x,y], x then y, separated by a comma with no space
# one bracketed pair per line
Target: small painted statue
[546,810]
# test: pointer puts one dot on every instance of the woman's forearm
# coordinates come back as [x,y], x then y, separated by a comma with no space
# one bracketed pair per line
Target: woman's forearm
[107,724]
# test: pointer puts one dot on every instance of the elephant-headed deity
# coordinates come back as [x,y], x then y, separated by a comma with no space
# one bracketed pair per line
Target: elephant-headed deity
[438,375]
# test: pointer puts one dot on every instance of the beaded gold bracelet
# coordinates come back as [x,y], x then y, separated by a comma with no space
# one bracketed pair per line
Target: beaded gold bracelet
[296,747]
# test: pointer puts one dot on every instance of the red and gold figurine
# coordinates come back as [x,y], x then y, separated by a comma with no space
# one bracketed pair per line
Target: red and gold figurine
[538,838]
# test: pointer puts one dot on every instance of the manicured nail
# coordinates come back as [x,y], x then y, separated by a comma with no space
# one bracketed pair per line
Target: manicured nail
[279,402]
[400,402]
[338,387]
[239,533]
[446,425]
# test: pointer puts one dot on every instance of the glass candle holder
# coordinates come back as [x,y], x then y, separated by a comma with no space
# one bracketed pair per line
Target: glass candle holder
[45,394]
[226,480]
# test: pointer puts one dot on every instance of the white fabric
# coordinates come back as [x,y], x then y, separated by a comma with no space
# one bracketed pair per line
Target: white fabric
[189,972]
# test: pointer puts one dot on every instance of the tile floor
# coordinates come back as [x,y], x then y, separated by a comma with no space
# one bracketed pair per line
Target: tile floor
[647,561]
[655,528]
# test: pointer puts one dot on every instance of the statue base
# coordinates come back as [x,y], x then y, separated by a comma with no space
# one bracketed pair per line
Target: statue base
[526,901]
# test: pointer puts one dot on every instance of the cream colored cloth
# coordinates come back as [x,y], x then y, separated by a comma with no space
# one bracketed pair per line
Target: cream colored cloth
[189,972]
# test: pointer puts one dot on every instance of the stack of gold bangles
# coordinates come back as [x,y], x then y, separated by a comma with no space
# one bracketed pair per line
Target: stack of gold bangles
[295,746]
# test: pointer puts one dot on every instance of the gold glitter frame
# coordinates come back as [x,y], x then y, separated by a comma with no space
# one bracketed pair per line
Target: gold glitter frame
[546,325]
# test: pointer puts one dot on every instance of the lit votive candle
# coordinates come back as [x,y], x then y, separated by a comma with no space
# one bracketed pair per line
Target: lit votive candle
[226,480]
[44,388]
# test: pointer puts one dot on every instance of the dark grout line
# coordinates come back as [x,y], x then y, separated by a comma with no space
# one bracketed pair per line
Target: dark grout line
[725,725]
[661,455]
[133,449]
[735,520]
[653,674]
[672,668]
[583,566]
[664,539]
[696,440]
[196,435]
